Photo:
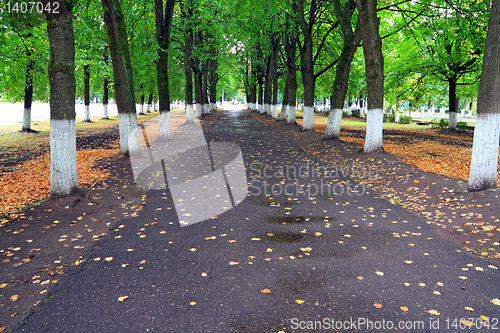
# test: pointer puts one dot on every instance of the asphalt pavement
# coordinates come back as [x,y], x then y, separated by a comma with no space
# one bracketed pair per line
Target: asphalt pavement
[315,253]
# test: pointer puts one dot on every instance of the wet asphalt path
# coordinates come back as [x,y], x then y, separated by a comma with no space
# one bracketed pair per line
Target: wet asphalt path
[274,262]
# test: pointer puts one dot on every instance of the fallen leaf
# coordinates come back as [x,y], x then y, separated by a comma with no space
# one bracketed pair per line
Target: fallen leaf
[434,312]
[192,303]
[377,305]
[14,298]
[468,308]
[204,274]
[233,263]
[299,301]
[379,273]
[495,301]
[404,308]
[122,298]
[108,258]
[265,291]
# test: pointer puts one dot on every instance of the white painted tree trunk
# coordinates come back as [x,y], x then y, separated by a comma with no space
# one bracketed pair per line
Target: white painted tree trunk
[308,120]
[349,111]
[199,110]
[164,125]
[362,113]
[284,111]
[105,113]
[333,124]
[470,110]
[266,109]
[86,117]
[484,162]
[127,123]
[213,106]
[63,174]
[207,108]
[291,114]
[453,119]
[141,108]
[189,114]
[397,117]
[26,119]
[275,111]
[148,110]
[374,129]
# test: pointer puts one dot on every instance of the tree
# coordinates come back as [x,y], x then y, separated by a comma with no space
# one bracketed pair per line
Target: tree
[351,41]
[484,162]
[122,73]
[374,67]
[163,30]
[61,69]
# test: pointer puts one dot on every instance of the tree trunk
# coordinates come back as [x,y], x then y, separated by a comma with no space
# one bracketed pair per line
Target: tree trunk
[452,103]
[105,93]
[212,78]
[260,107]
[28,92]
[63,174]
[86,93]
[284,105]
[374,67]
[198,88]
[484,162]
[122,74]
[291,50]
[150,103]
[163,28]
[343,69]
[204,87]
[141,105]
[274,81]
[268,88]
[188,72]
[307,69]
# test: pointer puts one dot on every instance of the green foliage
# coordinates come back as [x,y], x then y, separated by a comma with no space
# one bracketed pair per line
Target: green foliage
[405,120]
[441,123]
[462,126]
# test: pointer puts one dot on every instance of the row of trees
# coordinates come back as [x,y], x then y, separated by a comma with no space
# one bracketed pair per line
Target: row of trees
[169,48]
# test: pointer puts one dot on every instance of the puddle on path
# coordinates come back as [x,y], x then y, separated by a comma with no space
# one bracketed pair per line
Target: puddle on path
[298,219]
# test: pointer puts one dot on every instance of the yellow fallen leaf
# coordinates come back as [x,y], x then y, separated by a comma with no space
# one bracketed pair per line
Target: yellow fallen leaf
[407,284]
[269,250]
[360,278]
[434,312]
[142,236]
[484,317]
[97,259]
[256,239]
[404,308]
[377,305]
[192,303]
[108,258]
[122,298]
[233,263]
[408,262]
[440,284]
[14,298]
[265,291]
[3,285]
[463,277]
[466,322]
[299,301]
[192,249]
[379,273]
[204,274]
[495,301]
[435,292]
[77,262]
[468,308]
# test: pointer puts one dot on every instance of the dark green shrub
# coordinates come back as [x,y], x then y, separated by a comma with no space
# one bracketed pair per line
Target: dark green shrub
[462,126]
[355,113]
[392,117]
[386,117]
[404,119]
[441,123]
